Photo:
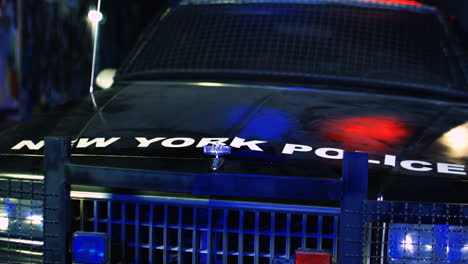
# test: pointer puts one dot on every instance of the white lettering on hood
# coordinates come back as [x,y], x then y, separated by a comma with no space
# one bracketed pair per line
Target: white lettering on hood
[288,149]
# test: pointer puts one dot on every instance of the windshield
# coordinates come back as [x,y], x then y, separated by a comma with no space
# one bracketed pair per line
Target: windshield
[373,43]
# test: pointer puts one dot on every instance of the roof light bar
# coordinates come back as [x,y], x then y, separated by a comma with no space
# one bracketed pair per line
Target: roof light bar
[398,2]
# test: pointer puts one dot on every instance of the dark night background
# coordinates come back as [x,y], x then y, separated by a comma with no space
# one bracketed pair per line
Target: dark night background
[46,46]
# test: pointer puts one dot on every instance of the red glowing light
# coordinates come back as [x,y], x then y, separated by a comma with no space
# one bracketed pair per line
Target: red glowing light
[400,2]
[311,257]
[366,133]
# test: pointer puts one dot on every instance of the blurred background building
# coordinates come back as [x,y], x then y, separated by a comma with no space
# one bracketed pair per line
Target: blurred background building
[46,47]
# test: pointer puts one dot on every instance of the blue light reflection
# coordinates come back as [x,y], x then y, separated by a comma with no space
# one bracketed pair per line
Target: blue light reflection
[267,124]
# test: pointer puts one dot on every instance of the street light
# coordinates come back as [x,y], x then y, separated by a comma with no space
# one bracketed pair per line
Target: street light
[94,16]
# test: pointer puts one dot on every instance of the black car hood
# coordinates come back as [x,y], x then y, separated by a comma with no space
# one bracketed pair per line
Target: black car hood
[417,148]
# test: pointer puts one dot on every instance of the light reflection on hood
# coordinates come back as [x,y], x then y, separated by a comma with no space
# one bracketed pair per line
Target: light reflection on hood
[367,133]
[456,141]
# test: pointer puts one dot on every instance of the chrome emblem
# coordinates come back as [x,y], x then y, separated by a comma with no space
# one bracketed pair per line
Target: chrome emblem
[217,150]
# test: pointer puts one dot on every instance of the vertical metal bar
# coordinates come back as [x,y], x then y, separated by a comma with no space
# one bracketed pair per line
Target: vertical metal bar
[371,251]
[208,247]
[355,170]
[319,232]
[122,230]
[241,237]
[96,215]
[382,249]
[433,214]
[461,217]
[179,236]
[256,237]
[137,233]
[288,236]
[304,231]
[109,220]
[57,224]
[461,214]
[48,252]
[82,215]
[151,234]
[194,238]
[166,212]
[367,240]
[225,236]
[382,241]
[335,238]
[272,236]
[447,213]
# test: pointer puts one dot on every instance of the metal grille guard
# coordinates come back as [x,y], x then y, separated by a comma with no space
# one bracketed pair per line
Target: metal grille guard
[351,190]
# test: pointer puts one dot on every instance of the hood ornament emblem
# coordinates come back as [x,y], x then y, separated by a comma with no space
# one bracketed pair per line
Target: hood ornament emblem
[217,150]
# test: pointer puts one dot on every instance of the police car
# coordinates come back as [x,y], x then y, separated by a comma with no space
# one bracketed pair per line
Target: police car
[322,131]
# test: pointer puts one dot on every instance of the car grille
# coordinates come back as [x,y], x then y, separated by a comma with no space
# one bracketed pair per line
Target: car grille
[148,229]
[145,229]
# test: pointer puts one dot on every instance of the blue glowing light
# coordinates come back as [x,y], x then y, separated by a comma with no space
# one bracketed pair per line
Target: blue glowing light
[267,123]
[409,243]
[90,248]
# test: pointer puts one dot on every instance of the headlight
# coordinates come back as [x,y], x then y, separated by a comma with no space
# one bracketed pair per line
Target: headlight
[424,244]
[21,217]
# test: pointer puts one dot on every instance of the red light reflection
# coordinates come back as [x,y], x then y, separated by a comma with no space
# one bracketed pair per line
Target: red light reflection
[367,133]
[400,2]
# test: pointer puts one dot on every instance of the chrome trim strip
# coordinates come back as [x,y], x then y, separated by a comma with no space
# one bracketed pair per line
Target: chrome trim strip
[269,207]
[22,241]
[34,177]
[28,252]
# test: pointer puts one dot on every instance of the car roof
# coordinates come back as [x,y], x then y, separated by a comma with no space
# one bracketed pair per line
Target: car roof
[361,42]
